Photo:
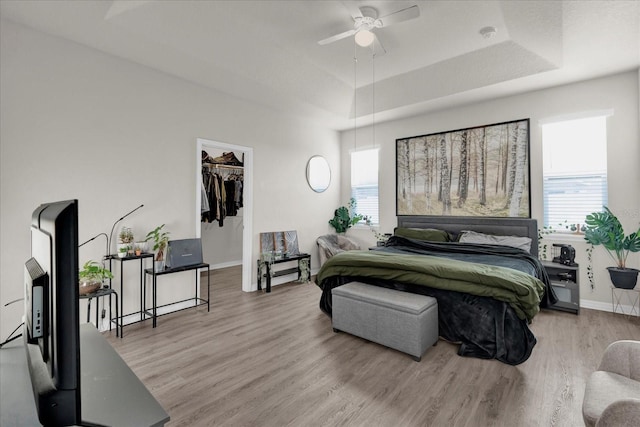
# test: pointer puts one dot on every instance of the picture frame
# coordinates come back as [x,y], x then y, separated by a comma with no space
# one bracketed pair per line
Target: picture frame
[481,171]
[280,243]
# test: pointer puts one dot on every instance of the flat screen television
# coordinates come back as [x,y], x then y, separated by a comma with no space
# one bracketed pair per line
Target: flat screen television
[52,327]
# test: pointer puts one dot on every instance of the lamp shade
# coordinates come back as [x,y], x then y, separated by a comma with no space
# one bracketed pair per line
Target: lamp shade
[364,38]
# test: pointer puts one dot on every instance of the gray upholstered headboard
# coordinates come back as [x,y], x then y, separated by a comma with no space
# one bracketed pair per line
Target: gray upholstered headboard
[500,226]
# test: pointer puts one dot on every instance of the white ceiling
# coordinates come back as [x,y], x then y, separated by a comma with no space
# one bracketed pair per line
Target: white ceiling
[267,51]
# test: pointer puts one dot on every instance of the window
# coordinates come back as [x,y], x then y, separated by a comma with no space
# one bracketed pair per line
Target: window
[364,183]
[574,169]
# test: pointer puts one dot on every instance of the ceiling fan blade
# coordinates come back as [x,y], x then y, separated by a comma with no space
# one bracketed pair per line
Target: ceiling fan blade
[353,9]
[337,37]
[400,16]
[378,49]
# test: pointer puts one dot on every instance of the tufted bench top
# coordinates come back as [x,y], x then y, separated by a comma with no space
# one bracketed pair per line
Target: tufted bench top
[390,298]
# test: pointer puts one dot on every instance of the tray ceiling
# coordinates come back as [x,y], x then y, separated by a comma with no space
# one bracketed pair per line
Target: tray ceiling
[267,52]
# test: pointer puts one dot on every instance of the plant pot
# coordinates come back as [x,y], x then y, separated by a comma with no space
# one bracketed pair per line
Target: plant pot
[158,266]
[144,246]
[87,287]
[122,254]
[624,278]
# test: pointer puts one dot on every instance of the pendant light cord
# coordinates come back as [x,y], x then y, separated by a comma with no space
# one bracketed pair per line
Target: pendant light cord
[355,97]
[373,89]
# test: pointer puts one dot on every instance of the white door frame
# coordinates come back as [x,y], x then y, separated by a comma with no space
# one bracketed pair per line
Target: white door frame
[247,201]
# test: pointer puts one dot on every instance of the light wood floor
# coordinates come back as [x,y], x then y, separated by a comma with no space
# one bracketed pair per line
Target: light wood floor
[273,360]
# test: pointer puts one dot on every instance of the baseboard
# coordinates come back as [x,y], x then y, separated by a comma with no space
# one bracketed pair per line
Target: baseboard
[225,264]
[607,306]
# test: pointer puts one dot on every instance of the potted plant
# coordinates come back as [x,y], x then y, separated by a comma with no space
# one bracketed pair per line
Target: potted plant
[160,240]
[122,251]
[604,228]
[142,246]
[92,276]
[343,217]
[381,238]
[125,239]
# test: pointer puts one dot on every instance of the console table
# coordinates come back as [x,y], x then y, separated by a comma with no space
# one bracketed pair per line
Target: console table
[268,265]
[196,301]
[142,312]
[111,394]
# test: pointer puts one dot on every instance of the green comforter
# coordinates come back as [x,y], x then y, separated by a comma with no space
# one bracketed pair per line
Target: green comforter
[520,290]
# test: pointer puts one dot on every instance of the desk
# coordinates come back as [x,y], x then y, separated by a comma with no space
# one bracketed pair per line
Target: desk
[111,394]
[196,301]
[268,264]
[141,313]
[97,294]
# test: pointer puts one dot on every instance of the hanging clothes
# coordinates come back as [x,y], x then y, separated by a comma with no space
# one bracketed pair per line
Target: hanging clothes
[222,191]
[204,206]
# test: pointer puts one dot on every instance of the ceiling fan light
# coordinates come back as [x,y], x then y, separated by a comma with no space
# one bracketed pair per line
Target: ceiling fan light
[364,38]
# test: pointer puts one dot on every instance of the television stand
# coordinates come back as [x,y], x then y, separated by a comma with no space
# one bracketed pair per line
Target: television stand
[111,393]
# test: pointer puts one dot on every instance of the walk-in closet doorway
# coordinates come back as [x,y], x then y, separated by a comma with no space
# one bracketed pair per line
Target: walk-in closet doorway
[228,163]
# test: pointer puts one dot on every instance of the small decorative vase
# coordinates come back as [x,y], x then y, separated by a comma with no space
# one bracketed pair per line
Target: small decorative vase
[158,266]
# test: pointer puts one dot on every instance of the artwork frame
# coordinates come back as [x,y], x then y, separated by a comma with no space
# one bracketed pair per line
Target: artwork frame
[432,181]
[280,243]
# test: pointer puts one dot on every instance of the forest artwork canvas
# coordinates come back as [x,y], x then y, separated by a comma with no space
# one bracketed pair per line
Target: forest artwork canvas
[284,242]
[479,171]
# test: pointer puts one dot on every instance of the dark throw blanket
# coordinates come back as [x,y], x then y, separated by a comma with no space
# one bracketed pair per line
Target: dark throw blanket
[485,327]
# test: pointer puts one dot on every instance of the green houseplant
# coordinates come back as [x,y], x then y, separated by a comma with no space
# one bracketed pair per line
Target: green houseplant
[91,277]
[125,240]
[122,251]
[343,217]
[160,240]
[604,228]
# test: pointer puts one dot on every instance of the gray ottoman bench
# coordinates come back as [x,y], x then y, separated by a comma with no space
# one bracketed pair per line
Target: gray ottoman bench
[400,320]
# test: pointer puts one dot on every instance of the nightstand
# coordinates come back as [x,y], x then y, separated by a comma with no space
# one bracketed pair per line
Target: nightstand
[565,280]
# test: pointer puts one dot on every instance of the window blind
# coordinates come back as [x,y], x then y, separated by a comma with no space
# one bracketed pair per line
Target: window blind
[366,197]
[364,183]
[572,198]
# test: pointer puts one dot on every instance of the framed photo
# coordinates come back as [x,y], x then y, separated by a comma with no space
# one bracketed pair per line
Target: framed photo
[281,242]
[481,171]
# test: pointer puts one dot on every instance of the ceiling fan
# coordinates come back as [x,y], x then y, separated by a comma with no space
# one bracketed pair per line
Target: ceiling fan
[365,20]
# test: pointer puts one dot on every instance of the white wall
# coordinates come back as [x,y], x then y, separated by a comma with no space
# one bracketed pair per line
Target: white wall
[77,123]
[618,92]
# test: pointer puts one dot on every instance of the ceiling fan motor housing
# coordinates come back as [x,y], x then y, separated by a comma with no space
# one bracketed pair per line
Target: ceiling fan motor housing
[369,19]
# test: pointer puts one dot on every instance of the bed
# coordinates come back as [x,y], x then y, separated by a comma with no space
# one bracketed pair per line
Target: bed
[487,293]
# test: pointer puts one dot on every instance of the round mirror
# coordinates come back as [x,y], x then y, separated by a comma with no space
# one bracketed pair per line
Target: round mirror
[318,174]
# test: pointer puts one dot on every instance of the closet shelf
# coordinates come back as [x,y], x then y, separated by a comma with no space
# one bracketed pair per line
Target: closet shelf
[221,166]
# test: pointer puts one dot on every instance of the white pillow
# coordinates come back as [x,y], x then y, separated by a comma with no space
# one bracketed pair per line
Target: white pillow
[519,242]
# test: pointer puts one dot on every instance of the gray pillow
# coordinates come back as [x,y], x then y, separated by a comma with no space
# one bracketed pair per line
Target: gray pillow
[427,234]
[519,242]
